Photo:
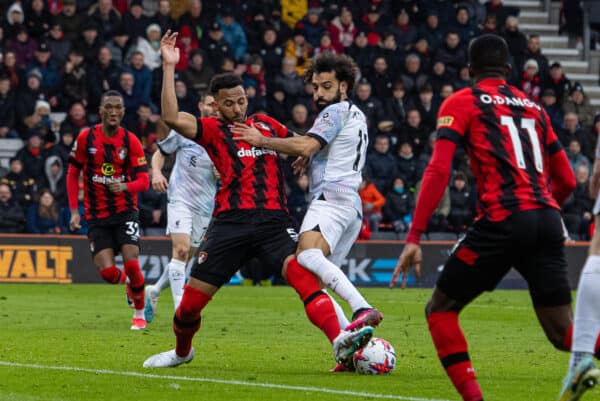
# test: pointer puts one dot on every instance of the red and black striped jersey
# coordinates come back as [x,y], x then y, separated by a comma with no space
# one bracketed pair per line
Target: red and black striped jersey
[103,160]
[509,141]
[251,178]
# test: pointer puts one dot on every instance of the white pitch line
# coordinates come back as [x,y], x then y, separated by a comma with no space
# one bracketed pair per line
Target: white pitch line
[218,381]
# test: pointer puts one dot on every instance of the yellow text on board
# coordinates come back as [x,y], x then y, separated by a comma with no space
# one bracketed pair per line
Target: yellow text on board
[35,264]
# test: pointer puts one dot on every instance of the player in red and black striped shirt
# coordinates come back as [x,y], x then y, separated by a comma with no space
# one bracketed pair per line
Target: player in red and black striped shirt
[114,170]
[523,175]
[250,218]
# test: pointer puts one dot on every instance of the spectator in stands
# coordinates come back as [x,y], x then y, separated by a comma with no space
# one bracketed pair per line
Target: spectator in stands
[233,33]
[399,206]
[373,24]
[553,108]
[577,208]
[404,32]
[91,42]
[412,77]
[325,45]
[438,77]
[12,217]
[65,215]
[531,82]
[149,46]
[187,100]
[464,79]
[298,198]
[300,50]
[198,73]
[445,91]
[195,19]
[370,105]
[271,53]
[425,156]
[15,18]
[572,130]
[462,204]
[11,69]
[595,133]
[126,85]
[495,7]
[558,82]
[103,75]
[572,22]
[428,107]
[299,122]
[8,105]
[120,46]
[106,18]
[290,81]
[451,54]
[26,100]
[380,79]
[142,126]
[216,47]
[431,31]
[187,43]
[464,25]
[75,81]
[406,164]
[490,25]
[70,20]
[134,21]
[372,203]
[388,48]
[421,49]
[38,19]
[58,45]
[55,179]
[342,30]
[254,75]
[164,20]
[579,104]
[576,158]
[42,216]
[22,187]
[64,145]
[362,52]
[516,40]
[32,155]
[534,51]
[142,77]
[439,219]
[381,165]
[40,123]
[396,105]
[413,131]
[312,27]
[76,119]
[50,75]
[23,46]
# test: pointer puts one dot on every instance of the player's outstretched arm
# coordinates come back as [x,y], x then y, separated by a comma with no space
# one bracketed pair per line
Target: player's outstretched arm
[184,123]
[159,182]
[304,146]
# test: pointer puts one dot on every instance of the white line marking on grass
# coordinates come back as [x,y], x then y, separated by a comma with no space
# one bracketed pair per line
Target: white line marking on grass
[218,381]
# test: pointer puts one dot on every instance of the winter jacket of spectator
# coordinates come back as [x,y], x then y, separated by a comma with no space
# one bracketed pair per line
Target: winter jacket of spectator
[412,82]
[26,99]
[189,103]
[416,136]
[119,54]
[398,206]
[312,32]
[24,51]
[556,115]
[405,35]
[89,50]
[462,205]
[561,87]
[51,79]
[59,49]
[164,21]
[381,170]
[301,54]
[198,80]
[33,164]
[106,24]
[434,37]
[585,111]
[292,84]
[578,160]
[37,224]
[453,59]
[373,30]
[579,201]
[14,74]
[8,106]
[517,44]
[149,201]
[394,57]
[371,195]
[136,27]
[342,36]
[531,86]
[381,84]
[271,56]
[151,55]
[98,75]
[363,56]
[12,25]
[58,184]
[12,217]
[216,51]
[65,220]
[428,115]
[236,38]
[466,32]
[544,69]
[297,201]
[565,137]
[62,151]
[407,169]
[373,110]
[142,86]
[75,85]
[71,25]
[38,24]
[73,125]
[396,110]
[256,80]
[23,188]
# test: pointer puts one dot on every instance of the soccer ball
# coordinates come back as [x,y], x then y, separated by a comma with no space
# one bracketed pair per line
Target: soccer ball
[376,358]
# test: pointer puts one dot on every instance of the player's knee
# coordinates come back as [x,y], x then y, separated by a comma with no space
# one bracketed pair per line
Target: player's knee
[181,251]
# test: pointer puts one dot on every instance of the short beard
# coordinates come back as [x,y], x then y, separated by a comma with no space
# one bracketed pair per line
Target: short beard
[336,99]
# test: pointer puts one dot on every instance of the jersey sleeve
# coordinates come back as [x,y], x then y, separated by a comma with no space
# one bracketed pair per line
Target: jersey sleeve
[453,117]
[170,144]
[77,156]
[280,130]
[206,130]
[328,123]
[137,158]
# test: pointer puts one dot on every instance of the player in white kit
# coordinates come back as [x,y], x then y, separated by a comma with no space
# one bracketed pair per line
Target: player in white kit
[191,190]
[583,373]
[337,145]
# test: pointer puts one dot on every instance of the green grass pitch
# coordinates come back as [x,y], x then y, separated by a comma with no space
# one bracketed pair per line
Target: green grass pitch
[255,344]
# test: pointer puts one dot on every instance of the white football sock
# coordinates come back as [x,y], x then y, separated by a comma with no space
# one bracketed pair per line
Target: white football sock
[177,280]
[587,311]
[342,319]
[314,261]
[138,314]
[163,280]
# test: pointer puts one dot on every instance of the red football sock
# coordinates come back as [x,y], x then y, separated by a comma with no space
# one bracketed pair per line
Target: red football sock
[451,346]
[136,282]
[317,304]
[186,321]
[569,340]
[111,274]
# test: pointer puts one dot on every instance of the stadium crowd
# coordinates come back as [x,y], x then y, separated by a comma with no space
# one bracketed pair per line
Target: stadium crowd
[61,55]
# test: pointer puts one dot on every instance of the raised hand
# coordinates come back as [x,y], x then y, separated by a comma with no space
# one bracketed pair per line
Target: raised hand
[168,50]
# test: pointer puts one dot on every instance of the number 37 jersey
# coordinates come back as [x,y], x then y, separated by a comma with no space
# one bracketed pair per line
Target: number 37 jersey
[509,141]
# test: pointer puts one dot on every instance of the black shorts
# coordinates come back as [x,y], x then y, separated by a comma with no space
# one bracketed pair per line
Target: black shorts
[234,238]
[532,242]
[114,232]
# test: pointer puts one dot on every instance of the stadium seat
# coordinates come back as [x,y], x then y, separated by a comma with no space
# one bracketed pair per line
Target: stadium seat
[384,235]
[441,236]
[8,148]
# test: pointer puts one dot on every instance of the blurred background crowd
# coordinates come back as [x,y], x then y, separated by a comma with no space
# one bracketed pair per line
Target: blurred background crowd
[58,56]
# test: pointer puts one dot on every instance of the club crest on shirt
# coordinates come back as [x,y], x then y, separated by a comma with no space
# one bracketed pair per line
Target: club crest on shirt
[108,169]
[202,256]
[122,153]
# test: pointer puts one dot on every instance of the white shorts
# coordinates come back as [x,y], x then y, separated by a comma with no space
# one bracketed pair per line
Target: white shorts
[183,220]
[339,225]
[596,209]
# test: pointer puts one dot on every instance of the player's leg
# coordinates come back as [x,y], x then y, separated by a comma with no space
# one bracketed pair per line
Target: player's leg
[477,264]
[135,286]
[102,248]
[177,264]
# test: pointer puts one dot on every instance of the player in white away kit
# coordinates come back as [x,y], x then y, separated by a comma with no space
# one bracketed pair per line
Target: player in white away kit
[583,373]
[337,145]
[190,191]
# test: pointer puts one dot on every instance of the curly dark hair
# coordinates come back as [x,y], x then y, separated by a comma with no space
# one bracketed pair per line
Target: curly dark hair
[344,67]
[224,81]
[488,53]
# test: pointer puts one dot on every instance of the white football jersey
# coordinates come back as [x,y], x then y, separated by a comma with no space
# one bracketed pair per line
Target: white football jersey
[335,171]
[192,180]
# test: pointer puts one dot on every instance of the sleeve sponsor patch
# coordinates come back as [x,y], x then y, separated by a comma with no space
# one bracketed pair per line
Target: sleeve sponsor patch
[141,160]
[445,121]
